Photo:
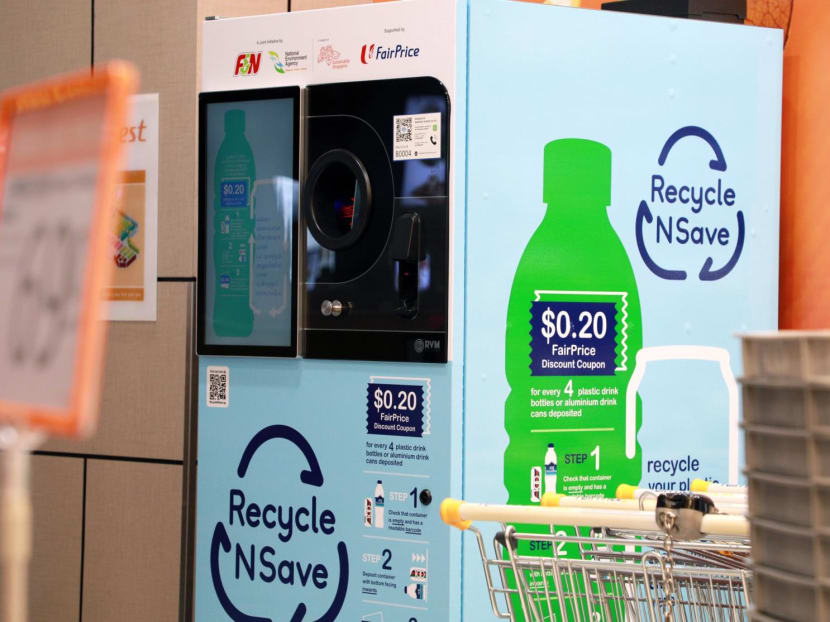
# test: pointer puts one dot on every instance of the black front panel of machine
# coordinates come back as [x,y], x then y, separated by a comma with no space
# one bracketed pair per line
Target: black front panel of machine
[376,208]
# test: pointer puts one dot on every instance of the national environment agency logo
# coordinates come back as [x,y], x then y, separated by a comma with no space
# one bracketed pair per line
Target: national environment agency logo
[278,66]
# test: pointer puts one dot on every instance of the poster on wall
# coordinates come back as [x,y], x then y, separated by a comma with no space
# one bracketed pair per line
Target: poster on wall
[132,295]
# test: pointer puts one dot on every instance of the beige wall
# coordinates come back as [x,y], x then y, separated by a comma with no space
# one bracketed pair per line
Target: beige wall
[300,5]
[43,38]
[133,537]
[57,496]
[160,38]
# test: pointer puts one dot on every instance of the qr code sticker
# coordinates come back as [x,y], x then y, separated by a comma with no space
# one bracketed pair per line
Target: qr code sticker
[218,386]
[403,129]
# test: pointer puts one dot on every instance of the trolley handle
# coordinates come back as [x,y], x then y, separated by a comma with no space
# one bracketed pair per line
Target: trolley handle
[462,514]
[643,502]
[702,485]
[626,491]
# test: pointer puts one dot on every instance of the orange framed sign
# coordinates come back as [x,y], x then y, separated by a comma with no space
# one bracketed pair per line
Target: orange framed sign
[59,157]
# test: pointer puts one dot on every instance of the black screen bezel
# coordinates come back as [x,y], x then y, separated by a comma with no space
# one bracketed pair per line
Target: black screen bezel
[210,349]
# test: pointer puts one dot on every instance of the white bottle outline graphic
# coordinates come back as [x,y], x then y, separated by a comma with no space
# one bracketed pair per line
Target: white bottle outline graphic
[550,468]
[379,499]
[689,353]
[283,188]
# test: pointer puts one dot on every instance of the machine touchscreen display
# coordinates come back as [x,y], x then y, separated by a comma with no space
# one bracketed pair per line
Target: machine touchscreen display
[247,226]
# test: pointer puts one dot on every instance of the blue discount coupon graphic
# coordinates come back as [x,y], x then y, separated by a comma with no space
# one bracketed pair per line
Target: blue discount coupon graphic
[573,338]
[234,192]
[395,409]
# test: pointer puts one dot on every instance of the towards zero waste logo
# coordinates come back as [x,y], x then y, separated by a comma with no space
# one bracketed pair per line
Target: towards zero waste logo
[331,57]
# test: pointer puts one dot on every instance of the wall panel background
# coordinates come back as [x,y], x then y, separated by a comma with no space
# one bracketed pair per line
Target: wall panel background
[112,513]
[133,535]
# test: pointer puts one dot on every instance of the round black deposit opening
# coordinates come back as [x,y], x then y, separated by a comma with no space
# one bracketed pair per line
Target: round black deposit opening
[338,199]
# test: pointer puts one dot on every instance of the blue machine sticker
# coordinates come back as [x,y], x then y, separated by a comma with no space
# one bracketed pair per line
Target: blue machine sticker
[395,409]
[314,519]
[235,192]
[397,496]
[570,338]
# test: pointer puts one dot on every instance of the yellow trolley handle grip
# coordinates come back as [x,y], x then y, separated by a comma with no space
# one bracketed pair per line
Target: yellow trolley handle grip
[625,491]
[551,500]
[699,485]
[451,514]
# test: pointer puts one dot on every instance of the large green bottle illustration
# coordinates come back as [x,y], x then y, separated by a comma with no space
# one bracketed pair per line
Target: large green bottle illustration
[233,243]
[573,332]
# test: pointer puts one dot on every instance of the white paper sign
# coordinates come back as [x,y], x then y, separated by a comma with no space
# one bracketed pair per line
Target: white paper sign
[132,295]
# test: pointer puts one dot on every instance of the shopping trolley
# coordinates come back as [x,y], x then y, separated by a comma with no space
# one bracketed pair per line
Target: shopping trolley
[680,561]
[728,499]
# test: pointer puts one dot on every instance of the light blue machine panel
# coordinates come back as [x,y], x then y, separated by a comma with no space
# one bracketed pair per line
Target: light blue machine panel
[690,112]
[319,489]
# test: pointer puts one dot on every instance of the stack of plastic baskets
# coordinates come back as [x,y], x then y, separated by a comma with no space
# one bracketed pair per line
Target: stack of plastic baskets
[786,412]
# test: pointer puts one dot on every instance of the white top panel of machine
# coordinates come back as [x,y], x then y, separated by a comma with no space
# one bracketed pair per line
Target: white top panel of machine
[390,40]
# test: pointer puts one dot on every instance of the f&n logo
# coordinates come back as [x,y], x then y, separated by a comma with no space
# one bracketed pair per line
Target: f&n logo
[247,64]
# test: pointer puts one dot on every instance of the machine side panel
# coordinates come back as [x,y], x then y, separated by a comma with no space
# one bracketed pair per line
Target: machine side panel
[678,117]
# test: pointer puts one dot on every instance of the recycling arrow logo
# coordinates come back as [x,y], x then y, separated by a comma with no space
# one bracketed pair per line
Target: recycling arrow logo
[645,217]
[313,476]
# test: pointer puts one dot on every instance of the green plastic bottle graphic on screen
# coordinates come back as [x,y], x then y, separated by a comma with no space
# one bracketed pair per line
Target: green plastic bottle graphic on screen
[573,332]
[233,223]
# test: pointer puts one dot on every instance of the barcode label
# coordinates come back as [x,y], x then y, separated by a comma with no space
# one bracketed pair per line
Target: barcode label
[218,387]
[403,129]
[416,136]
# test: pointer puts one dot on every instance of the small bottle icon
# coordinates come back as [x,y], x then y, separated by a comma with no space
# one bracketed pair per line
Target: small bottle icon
[416,591]
[550,469]
[379,505]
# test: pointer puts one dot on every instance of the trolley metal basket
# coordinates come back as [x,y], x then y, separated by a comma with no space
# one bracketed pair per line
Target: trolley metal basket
[620,564]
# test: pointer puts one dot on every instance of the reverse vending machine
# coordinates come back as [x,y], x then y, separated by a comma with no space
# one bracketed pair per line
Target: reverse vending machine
[480,249]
